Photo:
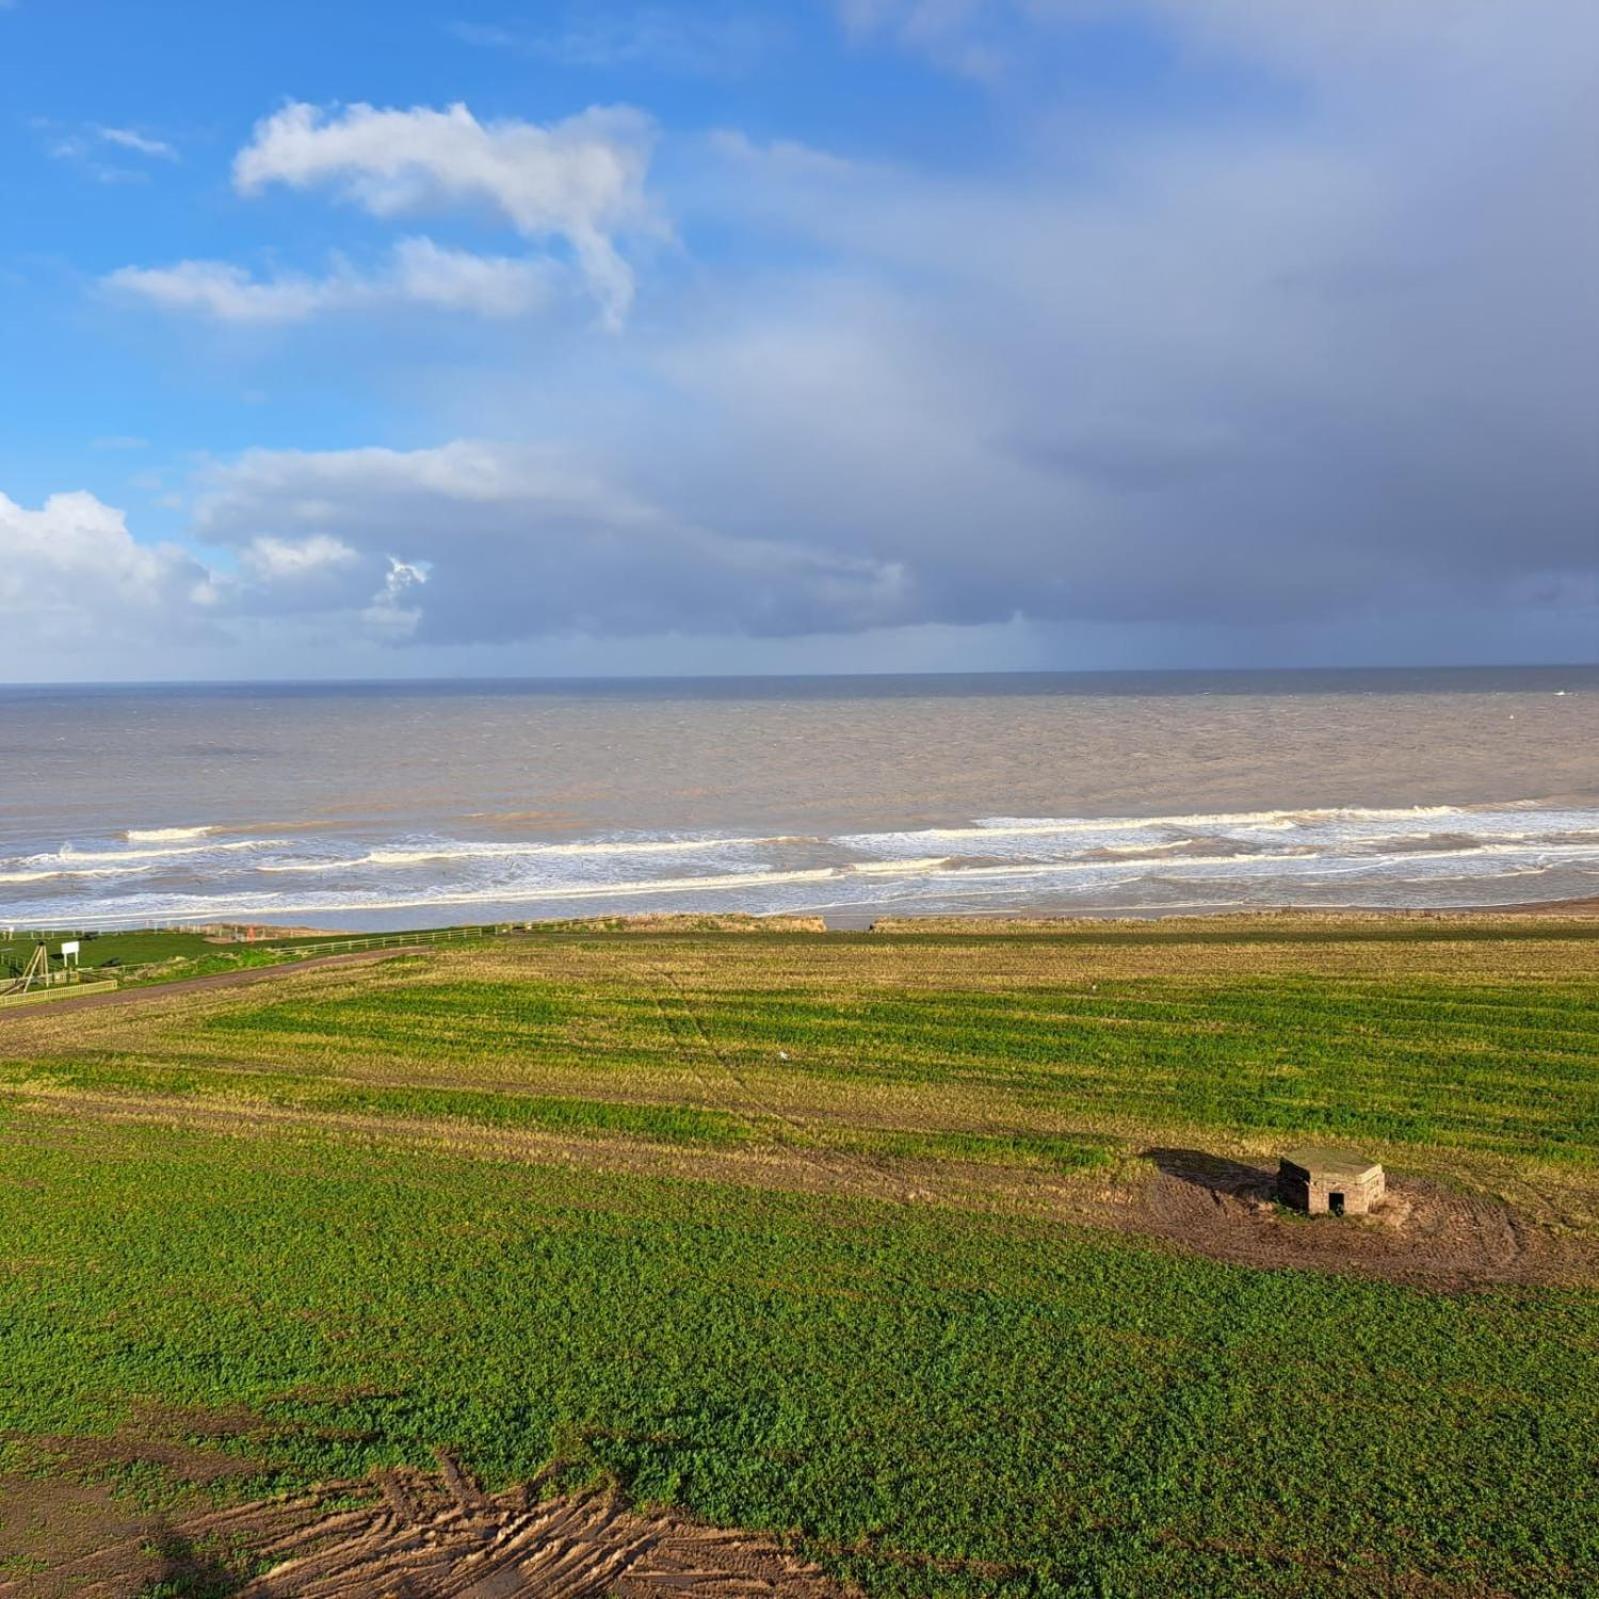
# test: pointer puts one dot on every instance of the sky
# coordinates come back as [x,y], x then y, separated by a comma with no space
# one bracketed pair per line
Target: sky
[466,338]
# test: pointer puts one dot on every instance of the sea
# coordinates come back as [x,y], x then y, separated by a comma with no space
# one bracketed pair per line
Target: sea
[385,806]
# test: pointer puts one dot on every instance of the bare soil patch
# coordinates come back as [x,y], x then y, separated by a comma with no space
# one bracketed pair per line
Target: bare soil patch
[411,1535]
[1423,1233]
[182,1442]
[55,1535]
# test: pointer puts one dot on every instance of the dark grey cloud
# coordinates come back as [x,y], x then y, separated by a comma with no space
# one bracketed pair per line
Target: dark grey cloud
[497,543]
[1339,364]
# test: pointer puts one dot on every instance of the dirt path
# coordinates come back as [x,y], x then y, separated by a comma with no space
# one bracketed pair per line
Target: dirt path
[190,985]
[436,1535]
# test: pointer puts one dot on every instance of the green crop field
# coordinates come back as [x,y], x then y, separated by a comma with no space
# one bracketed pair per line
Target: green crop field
[854,1239]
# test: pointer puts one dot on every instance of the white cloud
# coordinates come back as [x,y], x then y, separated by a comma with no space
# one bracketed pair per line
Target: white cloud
[458,280]
[784,159]
[707,42]
[580,180]
[389,617]
[73,577]
[962,36]
[419,272]
[225,292]
[81,597]
[140,143]
[303,575]
[274,559]
[86,146]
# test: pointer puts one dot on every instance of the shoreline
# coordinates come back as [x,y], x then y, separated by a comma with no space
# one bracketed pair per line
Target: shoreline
[1442,856]
[852,919]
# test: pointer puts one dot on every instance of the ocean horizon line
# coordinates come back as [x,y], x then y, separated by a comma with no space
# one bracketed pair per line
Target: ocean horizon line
[1250,675]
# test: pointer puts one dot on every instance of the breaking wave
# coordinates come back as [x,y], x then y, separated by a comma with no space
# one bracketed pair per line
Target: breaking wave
[1425,855]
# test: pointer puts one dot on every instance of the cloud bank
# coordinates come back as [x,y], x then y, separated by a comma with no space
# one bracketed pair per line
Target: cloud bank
[1328,365]
[506,543]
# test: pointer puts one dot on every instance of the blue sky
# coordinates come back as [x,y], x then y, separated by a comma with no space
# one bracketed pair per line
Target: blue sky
[887,334]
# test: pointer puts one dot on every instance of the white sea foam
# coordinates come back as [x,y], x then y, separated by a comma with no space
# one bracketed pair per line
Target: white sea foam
[1212,820]
[850,883]
[928,863]
[1373,855]
[494,851]
[343,865]
[92,871]
[70,854]
[1019,834]
[469,850]
[164,835]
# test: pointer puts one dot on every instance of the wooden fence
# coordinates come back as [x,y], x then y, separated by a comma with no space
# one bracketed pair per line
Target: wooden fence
[334,946]
[36,996]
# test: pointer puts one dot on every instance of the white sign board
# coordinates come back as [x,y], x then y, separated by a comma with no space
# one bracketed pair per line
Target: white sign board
[70,947]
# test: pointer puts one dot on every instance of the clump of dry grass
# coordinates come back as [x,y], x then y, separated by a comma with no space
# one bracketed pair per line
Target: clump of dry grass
[682,922]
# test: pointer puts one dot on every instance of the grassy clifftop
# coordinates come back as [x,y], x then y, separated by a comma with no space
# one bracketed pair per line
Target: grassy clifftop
[871,1241]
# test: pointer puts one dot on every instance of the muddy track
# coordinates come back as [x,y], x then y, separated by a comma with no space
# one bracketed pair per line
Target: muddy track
[412,1535]
[146,993]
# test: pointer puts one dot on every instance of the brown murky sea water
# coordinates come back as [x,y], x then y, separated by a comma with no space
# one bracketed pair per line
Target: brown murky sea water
[412,804]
